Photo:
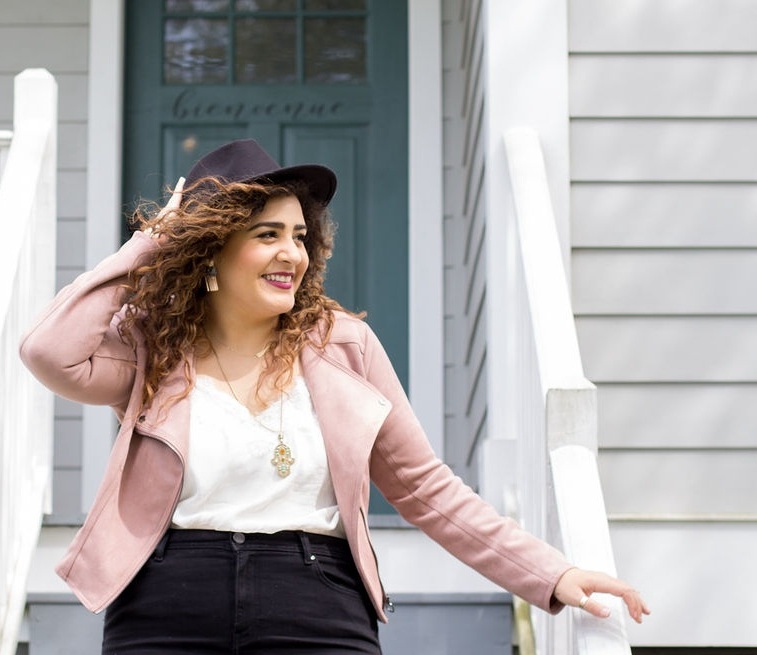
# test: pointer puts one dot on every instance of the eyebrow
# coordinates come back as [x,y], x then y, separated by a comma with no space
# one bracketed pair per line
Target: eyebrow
[277,226]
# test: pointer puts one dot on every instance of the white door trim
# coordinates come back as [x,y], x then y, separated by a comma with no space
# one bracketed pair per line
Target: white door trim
[103,224]
[426,218]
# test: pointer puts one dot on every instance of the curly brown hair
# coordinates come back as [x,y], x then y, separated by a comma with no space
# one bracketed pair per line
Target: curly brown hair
[166,294]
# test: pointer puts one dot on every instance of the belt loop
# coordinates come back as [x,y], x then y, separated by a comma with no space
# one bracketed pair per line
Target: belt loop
[307,552]
[160,549]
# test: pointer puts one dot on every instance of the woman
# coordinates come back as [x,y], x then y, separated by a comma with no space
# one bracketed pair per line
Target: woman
[255,412]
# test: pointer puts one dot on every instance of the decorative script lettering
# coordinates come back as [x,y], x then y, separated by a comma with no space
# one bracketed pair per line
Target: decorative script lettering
[188,106]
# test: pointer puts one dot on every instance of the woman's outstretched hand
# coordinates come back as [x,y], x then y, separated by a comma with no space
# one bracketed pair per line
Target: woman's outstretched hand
[576,586]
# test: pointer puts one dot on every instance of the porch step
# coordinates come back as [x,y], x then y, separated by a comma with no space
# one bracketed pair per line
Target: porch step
[422,624]
[56,624]
[449,624]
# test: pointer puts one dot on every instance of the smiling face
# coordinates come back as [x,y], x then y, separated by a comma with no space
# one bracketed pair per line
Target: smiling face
[260,269]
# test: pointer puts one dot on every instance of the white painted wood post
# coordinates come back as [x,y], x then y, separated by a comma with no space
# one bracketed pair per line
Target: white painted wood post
[27,271]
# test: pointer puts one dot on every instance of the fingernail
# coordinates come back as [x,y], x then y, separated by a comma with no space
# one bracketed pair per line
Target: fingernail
[605,612]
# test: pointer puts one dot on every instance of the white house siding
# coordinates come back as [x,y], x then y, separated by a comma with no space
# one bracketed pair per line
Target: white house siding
[663,103]
[54,35]
[464,266]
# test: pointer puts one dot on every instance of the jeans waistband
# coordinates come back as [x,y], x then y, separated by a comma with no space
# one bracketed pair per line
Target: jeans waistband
[308,543]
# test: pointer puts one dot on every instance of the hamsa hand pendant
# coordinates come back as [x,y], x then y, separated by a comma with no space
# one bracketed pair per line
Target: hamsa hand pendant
[282,458]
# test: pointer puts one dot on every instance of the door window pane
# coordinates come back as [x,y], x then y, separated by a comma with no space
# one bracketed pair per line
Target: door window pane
[268,42]
[266,50]
[266,5]
[196,6]
[195,51]
[334,5]
[335,50]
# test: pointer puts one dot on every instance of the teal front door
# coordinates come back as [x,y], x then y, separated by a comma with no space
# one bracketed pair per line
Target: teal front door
[314,81]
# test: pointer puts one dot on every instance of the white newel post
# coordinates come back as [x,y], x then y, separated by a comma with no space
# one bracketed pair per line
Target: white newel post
[27,271]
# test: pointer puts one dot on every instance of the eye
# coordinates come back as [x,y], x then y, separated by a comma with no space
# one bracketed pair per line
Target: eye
[267,234]
[301,237]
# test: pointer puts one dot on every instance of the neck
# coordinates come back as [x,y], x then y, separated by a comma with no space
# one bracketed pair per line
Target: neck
[247,339]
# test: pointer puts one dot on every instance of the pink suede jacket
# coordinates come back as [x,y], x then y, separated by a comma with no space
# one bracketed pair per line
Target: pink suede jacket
[369,429]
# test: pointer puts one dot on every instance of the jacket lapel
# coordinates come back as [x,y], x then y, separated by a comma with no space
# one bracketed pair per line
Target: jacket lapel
[350,413]
[168,418]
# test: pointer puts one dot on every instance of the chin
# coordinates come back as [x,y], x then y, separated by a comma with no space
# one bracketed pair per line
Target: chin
[284,308]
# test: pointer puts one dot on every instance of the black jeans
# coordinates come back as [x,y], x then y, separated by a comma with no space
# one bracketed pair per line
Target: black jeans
[204,591]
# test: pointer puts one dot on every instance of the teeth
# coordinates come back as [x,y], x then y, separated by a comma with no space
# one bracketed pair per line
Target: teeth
[278,278]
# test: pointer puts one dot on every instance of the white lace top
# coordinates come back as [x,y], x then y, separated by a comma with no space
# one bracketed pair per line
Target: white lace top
[230,483]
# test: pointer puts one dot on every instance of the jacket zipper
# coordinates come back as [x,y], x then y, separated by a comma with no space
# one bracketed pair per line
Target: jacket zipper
[387,603]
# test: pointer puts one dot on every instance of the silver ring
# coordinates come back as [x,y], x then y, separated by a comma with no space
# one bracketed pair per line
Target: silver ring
[583,601]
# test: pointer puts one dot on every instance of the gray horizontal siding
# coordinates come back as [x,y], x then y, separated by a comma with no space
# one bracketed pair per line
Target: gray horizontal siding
[72,199]
[695,556]
[685,349]
[665,281]
[59,48]
[649,149]
[39,12]
[663,105]
[641,26]
[653,215]
[675,85]
[70,246]
[693,483]
[672,415]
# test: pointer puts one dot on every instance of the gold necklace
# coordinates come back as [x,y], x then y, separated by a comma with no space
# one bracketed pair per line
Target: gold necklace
[258,354]
[282,453]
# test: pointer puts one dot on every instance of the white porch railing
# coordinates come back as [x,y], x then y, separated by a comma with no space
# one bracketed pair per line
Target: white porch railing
[27,271]
[5,146]
[559,490]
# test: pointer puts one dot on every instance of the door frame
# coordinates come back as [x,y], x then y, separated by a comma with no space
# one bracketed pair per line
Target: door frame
[104,204]
[425,208]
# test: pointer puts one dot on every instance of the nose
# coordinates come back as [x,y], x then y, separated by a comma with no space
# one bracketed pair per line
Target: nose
[289,252]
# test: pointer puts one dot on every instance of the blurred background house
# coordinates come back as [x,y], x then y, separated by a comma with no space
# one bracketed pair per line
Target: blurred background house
[437,116]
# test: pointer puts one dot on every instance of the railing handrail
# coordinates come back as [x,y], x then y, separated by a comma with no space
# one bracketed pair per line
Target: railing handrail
[27,268]
[570,432]
[549,299]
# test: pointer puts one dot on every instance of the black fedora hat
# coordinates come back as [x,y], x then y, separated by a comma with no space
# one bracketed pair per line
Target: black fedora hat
[246,161]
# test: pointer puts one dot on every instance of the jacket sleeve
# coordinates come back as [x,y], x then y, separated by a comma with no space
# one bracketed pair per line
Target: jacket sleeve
[429,495]
[74,348]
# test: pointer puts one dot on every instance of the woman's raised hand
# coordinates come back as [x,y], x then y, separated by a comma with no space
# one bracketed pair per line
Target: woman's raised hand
[576,586]
[172,205]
